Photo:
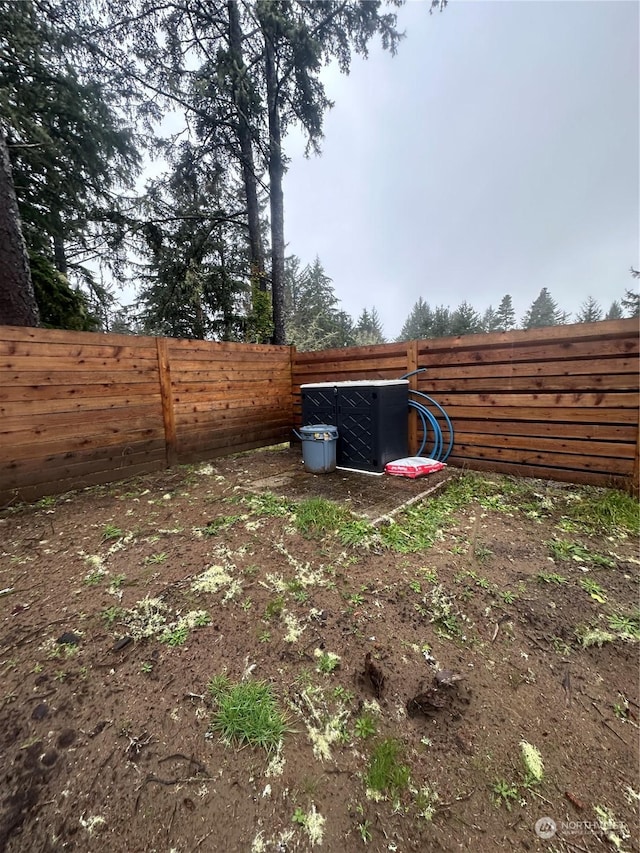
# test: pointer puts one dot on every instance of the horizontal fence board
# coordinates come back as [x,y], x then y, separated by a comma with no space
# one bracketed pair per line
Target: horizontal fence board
[177,345]
[224,404]
[577,383]
[566,475]
[549,459]
[552,445]
[204,442]
[85,407]
[558,415]
[10,496]
[579,400]
[59,393]
[40,351]
[201,454]
[22,363]
[503,370]
[79,379]
[48,426]
[596,432]
[65,336]
[71,443]
[81,468]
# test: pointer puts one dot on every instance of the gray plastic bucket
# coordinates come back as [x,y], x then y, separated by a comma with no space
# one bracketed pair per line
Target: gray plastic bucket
[319,443]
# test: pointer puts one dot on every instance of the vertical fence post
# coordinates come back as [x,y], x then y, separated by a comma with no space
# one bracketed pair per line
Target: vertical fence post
[168,414]
[412,364]
[635,482]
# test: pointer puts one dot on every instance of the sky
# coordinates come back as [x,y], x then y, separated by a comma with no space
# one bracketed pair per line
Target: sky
[498,152]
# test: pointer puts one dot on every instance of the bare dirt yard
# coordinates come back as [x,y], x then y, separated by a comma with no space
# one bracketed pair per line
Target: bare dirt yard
[239,656]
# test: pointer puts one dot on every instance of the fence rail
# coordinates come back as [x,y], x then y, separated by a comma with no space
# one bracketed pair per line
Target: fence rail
[80,408]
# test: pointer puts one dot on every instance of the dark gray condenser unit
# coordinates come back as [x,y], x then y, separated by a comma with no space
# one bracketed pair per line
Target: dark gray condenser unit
[371,416]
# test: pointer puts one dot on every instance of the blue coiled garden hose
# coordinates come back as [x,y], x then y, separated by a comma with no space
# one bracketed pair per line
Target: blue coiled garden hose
[438,451]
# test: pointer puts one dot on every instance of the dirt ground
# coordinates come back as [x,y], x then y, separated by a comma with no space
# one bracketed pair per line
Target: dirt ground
[507,637]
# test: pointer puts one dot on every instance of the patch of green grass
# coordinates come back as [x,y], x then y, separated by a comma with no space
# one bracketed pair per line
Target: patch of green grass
[605,511]
[386,773]
[111,531]
[317,516]
[356,532]
[247,713]
[364,831]
[46,502]
[93,578]
[117,581]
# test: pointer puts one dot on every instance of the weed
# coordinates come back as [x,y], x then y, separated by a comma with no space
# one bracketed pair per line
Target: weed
[342,695]
[626,627]
[621,709]
[111,615]
[504,793]
[482,553]
[217,525]
[60,675]
[328,662]
[116,582]
[483,583]
[561,549]
[269,504]
[356,532]
[247,713]
[386,774]
[426,799]
[37,667]
[414,586]
[299,817]
[356,599]
[365,726]
[595,590]
[111,531]
[594,637]
[46,502]
[156,558]
[93,578]
[560,647]
[264,637]
[176,637]
[507,596]
[146,667]
[364,830]
[274,608]
[550,577]
[246,605]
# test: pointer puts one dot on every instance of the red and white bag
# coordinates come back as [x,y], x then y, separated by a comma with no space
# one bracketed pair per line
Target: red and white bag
[413,466]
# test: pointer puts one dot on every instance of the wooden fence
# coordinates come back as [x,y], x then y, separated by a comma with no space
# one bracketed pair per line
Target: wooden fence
[80,408]
[558,403]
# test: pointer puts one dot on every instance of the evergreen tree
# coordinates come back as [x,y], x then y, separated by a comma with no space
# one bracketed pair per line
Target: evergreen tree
[490,320]
[312,318]
[631,303]
[506,315]
[465,320]
[368,329]
[69,147]
[441,323]
[615,311]
[418,323]
[543,311]
[590,311]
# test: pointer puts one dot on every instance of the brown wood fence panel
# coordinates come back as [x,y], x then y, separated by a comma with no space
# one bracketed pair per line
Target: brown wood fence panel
[79,408]
[557,403]
[229,397]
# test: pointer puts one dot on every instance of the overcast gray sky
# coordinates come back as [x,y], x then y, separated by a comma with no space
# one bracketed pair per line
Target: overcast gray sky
[497,152]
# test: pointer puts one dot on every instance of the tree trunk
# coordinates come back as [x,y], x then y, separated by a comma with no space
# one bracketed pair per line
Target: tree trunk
[276,173]
[241,101]
[18,305]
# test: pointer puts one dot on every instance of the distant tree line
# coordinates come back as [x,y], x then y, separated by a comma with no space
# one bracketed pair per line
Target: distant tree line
[427,322]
